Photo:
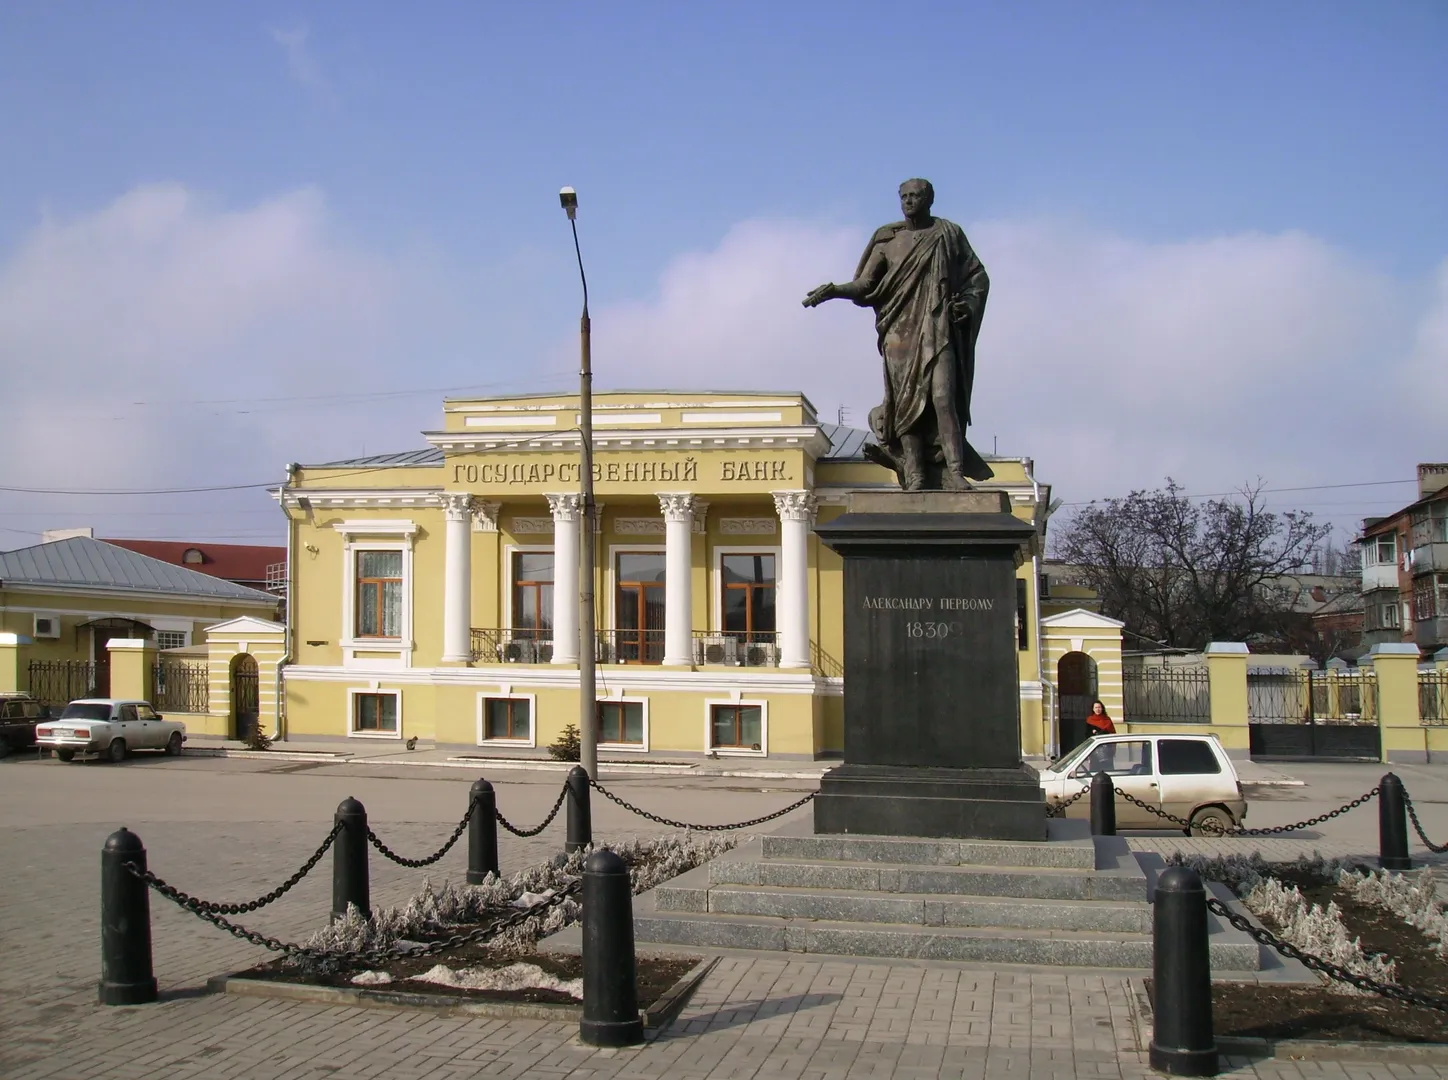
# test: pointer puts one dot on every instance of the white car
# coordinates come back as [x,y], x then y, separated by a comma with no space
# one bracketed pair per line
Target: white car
[112,727]
[1188,776]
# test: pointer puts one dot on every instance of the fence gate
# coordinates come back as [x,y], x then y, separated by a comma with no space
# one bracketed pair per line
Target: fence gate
[245,701]
[1302,713]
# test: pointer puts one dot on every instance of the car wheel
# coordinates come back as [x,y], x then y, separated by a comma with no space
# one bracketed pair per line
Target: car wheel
[1211,821]
[173,744]
[65,755]
[116,752]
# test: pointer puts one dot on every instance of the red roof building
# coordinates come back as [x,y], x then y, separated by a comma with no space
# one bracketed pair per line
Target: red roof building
[253,565]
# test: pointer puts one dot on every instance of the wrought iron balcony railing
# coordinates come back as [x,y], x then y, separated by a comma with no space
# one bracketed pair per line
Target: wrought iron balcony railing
[512,646]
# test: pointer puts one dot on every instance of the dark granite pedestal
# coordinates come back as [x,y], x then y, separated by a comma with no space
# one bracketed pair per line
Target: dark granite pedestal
[932,688]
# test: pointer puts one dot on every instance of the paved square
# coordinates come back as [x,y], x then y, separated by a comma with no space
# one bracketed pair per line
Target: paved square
[231,829]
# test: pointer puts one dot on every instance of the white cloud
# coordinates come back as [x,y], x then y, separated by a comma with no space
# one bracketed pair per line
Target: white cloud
[1112,362]
[295,43]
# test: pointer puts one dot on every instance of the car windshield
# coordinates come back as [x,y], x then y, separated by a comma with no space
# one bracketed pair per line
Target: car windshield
[1056,765]
[86,710]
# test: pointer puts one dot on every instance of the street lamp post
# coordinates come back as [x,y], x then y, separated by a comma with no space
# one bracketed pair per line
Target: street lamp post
[587,636]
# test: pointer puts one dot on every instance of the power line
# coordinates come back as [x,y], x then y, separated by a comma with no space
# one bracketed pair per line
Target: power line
[1265,491]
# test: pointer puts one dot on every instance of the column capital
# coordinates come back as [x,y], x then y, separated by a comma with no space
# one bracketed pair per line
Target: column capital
[678,506]
[795,505]
[485,515]
[456,505]
[566,507]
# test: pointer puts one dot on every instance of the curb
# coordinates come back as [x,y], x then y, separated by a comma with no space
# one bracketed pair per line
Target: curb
[272,755]
[656,1017]
[1393,1053]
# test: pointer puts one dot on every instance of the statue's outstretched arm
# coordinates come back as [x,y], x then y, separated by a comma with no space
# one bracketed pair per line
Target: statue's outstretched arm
[855,290]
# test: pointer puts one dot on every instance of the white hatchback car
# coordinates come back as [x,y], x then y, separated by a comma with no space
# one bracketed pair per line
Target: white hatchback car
[1188,776]
[112,727]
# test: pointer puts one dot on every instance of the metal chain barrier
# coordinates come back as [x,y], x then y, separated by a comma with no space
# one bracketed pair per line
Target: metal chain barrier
[192,903]
[505,823]
[1059,809]
[1437,849]
[696,828]
[387,852]
[371,956]
[1273,830]
[1315,963]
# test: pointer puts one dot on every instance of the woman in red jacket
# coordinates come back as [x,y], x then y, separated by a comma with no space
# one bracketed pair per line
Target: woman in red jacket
[1098,722]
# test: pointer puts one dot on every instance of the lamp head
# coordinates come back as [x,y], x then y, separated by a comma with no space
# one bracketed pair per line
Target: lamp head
[568,199]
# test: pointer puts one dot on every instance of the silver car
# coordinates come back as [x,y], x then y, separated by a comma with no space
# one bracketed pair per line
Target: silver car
[112,727]
[1187,776]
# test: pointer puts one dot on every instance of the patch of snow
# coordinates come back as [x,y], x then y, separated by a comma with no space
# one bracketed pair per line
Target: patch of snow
[532,899]
[513,977]
[371,978]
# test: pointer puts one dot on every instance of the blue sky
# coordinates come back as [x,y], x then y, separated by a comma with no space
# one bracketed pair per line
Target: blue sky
[1217,232]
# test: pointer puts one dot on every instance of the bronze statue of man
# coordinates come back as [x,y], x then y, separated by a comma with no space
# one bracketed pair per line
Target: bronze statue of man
[928,290]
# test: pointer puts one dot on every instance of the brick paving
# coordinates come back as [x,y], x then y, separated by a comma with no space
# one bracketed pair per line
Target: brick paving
[230,830]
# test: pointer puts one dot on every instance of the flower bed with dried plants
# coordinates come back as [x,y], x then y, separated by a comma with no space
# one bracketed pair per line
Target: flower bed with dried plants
[1391,928]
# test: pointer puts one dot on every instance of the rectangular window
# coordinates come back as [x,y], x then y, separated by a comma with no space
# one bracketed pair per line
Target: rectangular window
[171,639]
[736,727]
[379,594]
[507,718]
[749,591]
[533,594]
[1381,550]
[1187,757]
[1430,525]
[1425,599]
[1388,616]
[639,607]
[374,713]
[621,722]
[1023,637]
[1126,758]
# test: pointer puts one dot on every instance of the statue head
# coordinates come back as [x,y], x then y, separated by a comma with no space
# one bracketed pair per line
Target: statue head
[916,197]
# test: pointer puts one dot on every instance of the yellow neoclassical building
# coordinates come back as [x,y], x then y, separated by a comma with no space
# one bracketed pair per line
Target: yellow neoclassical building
[434,593]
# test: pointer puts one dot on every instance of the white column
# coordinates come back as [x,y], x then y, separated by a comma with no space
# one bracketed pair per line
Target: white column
[678,577]
[457,586]
[566,514]
[796,514]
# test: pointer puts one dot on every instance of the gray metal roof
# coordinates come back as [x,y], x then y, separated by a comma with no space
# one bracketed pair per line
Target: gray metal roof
[80,561]
[428,456]
[846,443]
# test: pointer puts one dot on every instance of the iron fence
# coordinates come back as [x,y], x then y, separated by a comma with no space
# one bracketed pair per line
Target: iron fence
[59,682]
[179,686]
[525,646]
[1433,697]
[1307,696]
[1175,695]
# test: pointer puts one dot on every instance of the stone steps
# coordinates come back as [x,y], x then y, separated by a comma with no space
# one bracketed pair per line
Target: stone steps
[920,909]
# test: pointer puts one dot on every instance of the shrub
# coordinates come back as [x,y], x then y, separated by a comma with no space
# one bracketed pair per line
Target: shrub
[569,746]
[1414,901]
[257,739]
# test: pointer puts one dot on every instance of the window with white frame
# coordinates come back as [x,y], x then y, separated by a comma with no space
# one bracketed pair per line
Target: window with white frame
[533,594]
[507,719]
[1380,550]
[376,712]
[736,725]
[621,723]
[380,584]
[171,639]
[748,583]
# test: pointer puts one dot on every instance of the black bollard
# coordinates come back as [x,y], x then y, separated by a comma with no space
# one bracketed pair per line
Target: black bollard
[482,833]
[1181,1042]
[1392,825]
[580,818]
[126,977]
[1103,805]
[610,977]
[349,861]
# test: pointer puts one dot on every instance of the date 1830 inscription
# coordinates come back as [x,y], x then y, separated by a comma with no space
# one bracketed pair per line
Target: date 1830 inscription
[929,605]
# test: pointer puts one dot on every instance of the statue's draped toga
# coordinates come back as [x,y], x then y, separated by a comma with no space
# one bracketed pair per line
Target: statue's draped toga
[928,306]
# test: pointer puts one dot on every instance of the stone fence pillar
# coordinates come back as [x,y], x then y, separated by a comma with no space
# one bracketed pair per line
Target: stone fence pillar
[1227,680]
[1396,665]
[131,662]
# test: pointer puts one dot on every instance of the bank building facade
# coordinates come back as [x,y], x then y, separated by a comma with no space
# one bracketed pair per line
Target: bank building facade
[434,592]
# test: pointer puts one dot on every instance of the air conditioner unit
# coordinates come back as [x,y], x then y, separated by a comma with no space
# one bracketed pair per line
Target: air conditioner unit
[520,652]
[47,626]
[544,652]
[760,654]
[718,649]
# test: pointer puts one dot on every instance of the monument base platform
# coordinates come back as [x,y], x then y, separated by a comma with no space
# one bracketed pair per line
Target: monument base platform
[896,800]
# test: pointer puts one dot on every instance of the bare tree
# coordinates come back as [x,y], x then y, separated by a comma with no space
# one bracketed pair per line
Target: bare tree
[1186,572]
